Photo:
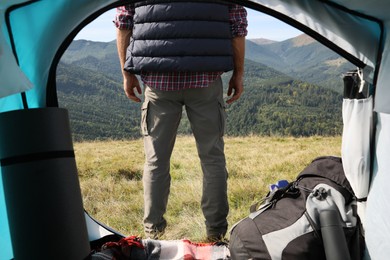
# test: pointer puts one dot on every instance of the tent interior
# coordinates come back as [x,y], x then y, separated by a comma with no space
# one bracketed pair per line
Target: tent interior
[33,129]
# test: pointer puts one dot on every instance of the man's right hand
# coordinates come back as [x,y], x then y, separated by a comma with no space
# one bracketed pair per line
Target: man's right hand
[130,82]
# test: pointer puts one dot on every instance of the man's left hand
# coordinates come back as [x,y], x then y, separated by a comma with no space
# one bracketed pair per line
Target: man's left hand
[236,87]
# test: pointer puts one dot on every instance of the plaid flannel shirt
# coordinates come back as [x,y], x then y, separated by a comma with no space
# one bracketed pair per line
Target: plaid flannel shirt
[180,80]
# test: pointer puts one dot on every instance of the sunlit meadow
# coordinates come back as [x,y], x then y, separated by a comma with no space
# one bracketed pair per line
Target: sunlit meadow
[111,178]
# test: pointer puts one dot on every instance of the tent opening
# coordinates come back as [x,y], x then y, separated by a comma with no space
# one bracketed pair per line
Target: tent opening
[285,101]
[293,91]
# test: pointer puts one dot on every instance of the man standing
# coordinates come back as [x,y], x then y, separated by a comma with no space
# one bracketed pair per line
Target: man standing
[180,49]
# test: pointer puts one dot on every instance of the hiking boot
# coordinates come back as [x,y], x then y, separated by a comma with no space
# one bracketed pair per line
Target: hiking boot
[154,234]
[217,239]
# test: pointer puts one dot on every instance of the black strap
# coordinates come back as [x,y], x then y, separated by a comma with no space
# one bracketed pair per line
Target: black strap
[361,199]
[36,157]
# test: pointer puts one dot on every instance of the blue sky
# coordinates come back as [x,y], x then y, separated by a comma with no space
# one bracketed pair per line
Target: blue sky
[260,26]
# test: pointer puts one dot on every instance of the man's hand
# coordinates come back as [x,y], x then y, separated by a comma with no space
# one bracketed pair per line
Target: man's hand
[236,83]
[236,87]
[130,82]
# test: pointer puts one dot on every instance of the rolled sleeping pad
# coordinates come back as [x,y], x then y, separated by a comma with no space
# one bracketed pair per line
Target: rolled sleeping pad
[41,187]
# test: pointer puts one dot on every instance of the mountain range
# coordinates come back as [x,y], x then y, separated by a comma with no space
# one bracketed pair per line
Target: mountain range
[303,58]
[292,87]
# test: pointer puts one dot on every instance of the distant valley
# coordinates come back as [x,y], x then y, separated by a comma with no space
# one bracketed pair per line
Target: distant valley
[302,58]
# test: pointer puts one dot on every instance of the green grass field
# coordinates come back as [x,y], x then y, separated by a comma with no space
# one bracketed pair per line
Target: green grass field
[111,178]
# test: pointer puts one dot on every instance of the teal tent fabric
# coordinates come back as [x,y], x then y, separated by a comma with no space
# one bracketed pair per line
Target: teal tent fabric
[5,239]
[18,82]
[37,32]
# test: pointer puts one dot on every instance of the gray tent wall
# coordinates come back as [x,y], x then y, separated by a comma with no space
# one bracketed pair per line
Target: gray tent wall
[348,25]
[382,89]
[343,25]
[378,206]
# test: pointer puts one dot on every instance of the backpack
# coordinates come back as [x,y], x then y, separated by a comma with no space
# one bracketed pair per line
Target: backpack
[287,224]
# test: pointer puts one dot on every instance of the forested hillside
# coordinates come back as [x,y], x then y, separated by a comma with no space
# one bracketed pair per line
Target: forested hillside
[89,85]
[272,104]
[275,104]
[97,106]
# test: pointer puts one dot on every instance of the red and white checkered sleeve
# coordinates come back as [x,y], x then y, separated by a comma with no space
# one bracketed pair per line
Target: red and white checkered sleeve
[124,17]
[238,20]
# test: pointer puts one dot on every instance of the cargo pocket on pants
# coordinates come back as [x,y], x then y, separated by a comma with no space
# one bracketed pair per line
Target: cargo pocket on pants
[144,118]
[222,117]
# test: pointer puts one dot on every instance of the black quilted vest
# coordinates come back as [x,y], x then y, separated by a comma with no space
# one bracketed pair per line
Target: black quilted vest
[180,36]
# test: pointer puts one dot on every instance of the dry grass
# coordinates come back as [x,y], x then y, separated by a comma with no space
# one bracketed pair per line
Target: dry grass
[111,178]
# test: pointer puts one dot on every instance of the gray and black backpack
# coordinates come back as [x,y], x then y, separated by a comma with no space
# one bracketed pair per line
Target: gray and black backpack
[313,217]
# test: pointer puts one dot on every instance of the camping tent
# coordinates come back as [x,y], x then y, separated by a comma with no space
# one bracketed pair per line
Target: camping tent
[35,136]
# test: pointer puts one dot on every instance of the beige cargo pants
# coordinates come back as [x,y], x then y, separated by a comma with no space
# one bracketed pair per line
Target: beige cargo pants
[161,114]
